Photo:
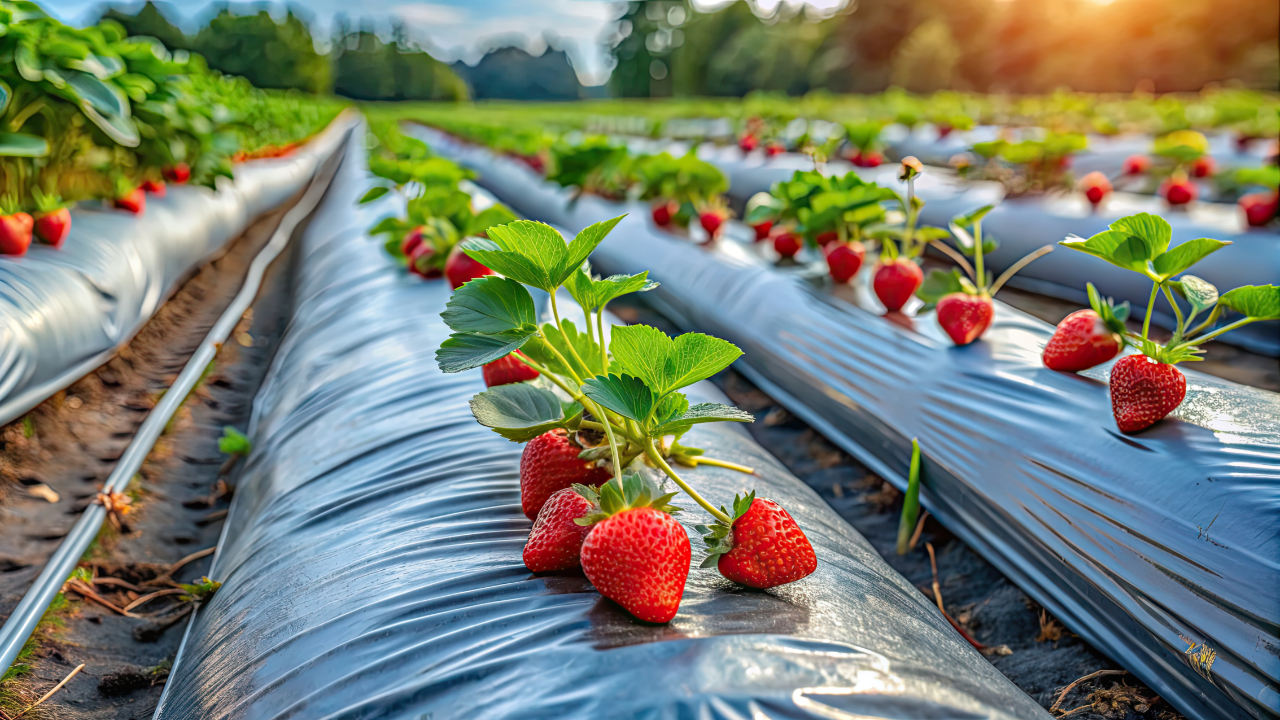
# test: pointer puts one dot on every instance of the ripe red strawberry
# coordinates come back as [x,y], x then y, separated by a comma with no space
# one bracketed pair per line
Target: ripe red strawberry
[178,174]
[1204,166]
[549,463]
[1081,341]
[1136,165]
[53,226]
[639,558]
[748,142]
[555,543]
[844,261]
[135,201]
[662,214]
[826,238]
[965,317]
[1143,391]
[1096,187]
[412,241]
[461,269]
[711,220]
[1260,208]
[155,187]
[786,244]
[767,547]
[1178,190]
[944,130]
[869,159]
[896,281]
[762,229]
[15,233]
[774,149]
[507,370]
[420,262]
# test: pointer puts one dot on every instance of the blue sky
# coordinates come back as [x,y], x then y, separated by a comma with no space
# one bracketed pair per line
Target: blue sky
[452,29]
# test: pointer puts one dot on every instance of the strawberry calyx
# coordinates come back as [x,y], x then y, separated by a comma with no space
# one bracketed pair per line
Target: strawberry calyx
[636,492]
[719,535]
[1113,316]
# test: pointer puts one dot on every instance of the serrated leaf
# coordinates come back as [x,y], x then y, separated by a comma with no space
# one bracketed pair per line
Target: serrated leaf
[1199,293]
[669,409]
[1185,255]
[1117,247]
[466,351]
[703,413]
[525,251]
[667,364]
[1255,301]
[1152,228]
[624,394]
[487,218]
[939,283]
[489,305]
[593,293]
[587,349]
[373,194]
[520,412]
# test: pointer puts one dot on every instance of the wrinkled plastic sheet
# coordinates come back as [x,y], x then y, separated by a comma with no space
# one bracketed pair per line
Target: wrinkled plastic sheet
[371,562]
[64,312]
[1024,224]
[1162,549]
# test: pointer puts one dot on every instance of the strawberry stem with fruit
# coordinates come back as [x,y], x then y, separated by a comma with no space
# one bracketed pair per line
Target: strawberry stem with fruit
[657,459]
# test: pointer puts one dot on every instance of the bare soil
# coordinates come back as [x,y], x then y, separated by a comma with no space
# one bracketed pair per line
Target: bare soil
[53,463]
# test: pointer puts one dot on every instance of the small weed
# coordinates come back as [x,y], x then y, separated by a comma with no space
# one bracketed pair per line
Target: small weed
[28,427]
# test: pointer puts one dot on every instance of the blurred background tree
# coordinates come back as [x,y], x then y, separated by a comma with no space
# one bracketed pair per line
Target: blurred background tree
[366,68]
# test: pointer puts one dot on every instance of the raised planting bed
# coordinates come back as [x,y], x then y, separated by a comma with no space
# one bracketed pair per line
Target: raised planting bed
[371,565]
[64,311]
[1157,548]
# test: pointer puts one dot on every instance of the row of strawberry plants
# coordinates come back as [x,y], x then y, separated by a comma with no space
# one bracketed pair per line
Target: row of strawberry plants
[91,114]
[599,410]
[841,216]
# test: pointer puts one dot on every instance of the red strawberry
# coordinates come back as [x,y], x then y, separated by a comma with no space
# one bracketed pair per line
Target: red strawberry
[869,159]
[786,244]
[1081,341]
[944,130]
[1260,208]
[639,558]
[461,269]
[1096,187]
[420,262]
[965,317]
[15,233]
[895,282]
[555,543]
[768,547]
[507,370]
[826,238]
[748,142]
[844,261]
[134,201]
[53,226]
[155,187]
[412,241]
[662,214]
[762,229]
[549,463]
[1204,166]
[1143,391]
[711,221]
[774,149]
[178,174]
[1136,165]
[1178,190]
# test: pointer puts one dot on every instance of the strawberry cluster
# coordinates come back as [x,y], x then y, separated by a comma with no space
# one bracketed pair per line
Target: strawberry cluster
[600,412]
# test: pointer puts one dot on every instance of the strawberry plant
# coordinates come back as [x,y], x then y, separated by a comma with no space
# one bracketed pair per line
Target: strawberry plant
[682,187]
[964,306]
[1148,386]
[899,274]
[603,407]
[1029,166]
[864,144]
[1087,338]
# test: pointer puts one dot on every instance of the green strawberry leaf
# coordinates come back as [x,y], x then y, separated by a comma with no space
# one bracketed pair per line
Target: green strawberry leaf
[490,305]
[1199,293]
[540,350]
[1189,253]
[1152,228]
[939,283]
[1112,315]
[520,412]
[969,219]
[592,293]
[702,413]
[911,502]
[1256,301]
[466,351]
[373,194]
[22,145]
[667,364]
[535,253]
[234,442]
[626,395]
[487,218]
[928,232]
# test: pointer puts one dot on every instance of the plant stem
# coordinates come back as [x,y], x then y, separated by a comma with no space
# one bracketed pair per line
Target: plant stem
[1225,328]
[18,120]
[1208,322]
[1013,269]
[1146,321]
[656,457]
[604,352]
[700,460]
[617,459]
[1177,311]
[960,260]
[592,425]
[550,376]
[587,404]
[981,277]
[572,350]
[909,229]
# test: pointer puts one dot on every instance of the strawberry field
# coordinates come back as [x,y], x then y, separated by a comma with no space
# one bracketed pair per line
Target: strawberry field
[936,405]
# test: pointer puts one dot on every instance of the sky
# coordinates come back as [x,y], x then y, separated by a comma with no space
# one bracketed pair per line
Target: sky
[451,29]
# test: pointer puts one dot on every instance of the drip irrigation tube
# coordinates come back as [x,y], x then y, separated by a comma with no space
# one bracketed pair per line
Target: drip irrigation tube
[24,618]
[1159,548]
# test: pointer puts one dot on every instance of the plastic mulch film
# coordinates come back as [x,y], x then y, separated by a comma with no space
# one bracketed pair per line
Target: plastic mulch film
[372,558]
[1161,548]
[64,312]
